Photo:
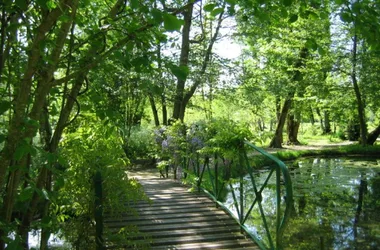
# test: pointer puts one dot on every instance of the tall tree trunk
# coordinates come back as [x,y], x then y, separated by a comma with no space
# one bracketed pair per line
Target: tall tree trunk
[372,137]
[320,119]
[278,108]
[22,98]
[154,110]
[277,140]
[206,61]
[311,116]
[184,59]
[293,127]
[327,122]
[360,103]
[43,88]
[15,138]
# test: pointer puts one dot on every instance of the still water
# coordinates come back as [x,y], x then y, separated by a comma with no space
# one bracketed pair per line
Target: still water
[336,205]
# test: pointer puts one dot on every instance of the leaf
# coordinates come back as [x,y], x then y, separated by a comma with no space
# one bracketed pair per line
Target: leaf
[321,51]
[157,16]
[22,4]
[21,150]
[172,23]
[180,72]
[311,44]
[26,194]
[345,17]
[43,193]
[209,7]
[287,2]
[313,15]
[134,4]
[216,11]
[356,7]
[293,18]
[42,4]
[231,2]
[4,106]
[2,138]
[51,4]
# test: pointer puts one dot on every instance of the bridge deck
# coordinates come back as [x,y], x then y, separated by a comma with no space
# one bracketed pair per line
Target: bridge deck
[179,219]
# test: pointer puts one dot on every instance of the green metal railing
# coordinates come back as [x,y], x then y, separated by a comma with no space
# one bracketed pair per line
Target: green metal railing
[215,174]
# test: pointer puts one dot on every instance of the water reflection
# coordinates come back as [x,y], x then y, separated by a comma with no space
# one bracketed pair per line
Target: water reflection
[336,205]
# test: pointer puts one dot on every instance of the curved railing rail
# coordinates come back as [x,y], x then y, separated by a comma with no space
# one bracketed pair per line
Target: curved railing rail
[216,176]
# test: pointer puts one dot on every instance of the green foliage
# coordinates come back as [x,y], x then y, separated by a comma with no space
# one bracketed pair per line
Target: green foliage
[226,137]
[140,144]
[222,136]
[90,149]
[172,23]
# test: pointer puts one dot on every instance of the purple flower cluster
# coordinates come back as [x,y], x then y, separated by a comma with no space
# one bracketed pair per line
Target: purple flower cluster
[160,135]
[196,143]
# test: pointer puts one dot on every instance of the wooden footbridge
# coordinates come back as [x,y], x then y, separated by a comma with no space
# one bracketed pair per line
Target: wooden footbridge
[179,219]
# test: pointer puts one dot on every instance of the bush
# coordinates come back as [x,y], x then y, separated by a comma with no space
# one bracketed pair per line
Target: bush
[140,144]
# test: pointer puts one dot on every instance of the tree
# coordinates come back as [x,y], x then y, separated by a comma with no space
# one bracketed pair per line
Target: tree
[293,33]
[182,71]
[56,45]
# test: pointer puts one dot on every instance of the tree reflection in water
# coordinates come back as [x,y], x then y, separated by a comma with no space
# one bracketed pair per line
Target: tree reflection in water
[336,205]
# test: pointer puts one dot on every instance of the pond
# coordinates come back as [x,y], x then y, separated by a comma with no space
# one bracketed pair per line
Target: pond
[336,205]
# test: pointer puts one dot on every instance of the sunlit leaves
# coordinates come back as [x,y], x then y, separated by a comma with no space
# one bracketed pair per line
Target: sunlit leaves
[180,72]
[311,44]
[209,7]
[171,22]
[216,11]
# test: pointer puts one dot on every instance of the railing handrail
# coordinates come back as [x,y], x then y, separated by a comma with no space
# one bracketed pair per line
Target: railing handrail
[281,171]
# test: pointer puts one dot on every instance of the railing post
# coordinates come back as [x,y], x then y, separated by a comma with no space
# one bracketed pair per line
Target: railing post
[241,191]
[216,179]
[98,210]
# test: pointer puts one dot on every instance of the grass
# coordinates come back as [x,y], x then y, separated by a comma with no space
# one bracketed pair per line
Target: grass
[346,150]
[260,161]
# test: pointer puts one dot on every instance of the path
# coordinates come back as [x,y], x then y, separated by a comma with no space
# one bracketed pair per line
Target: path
[179,219]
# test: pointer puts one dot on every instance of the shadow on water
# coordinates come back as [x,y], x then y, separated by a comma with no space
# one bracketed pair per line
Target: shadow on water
[336,205]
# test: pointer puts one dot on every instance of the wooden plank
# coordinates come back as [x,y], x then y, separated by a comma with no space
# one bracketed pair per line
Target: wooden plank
[178,219]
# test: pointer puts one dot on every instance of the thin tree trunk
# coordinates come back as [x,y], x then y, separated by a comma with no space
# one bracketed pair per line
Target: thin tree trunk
[372,137]
[22,99]
[360,104]
[154,110]
[42,91]
[311,115]
[327,127]
[164,110]
[205,63]
[321,120]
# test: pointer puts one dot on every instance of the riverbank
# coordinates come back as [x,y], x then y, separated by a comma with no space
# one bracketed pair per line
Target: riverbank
[345,148]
